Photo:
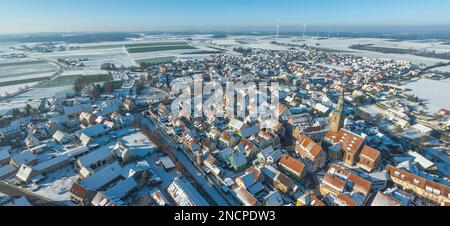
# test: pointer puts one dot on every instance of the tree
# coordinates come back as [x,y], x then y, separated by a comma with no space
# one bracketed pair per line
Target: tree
[79,84]
[28,109]
[108,87]
[95,93]
[140,85]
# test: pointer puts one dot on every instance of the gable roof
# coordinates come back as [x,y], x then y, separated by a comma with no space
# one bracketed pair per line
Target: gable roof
[292,164]
[307,147]
[370,153]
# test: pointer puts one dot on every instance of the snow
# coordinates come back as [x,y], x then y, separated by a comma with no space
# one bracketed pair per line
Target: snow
[57,185]
[436,93]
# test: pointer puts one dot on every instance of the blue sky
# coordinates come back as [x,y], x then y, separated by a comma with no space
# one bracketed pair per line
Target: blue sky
[19,16]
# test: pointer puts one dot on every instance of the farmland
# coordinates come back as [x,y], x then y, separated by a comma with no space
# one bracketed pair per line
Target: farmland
[68,80]
[157,60]
[146,49]
[21,63]
[22,81]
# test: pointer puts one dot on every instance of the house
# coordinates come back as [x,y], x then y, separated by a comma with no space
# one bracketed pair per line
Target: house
[26,173]
[7,171]
[293,167]
[309,200]
[5,156]
[274,198]
[93,132]
[277,179]
[228,139]
[159,198]
[238,161]
[127,154]
[427,189]
[265,139]
[76,110]
[25,157]
[167,162]
[249,131]
[247,147]
[345,187]
[247,180]
[245,197]
[314,157]
[369,158]
[128,104]
[96,159]
[114,195]
[382,199]
[84,191]
[269,155]
[211,164]
[350,144]
[31,141]
[236,125]
[184,194]
[87,118]
[62,137]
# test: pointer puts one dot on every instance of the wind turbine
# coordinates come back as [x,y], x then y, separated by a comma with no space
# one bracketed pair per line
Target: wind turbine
[304,30]
[278,30]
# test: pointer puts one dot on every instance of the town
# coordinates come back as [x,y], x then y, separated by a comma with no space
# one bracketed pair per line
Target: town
[349,133]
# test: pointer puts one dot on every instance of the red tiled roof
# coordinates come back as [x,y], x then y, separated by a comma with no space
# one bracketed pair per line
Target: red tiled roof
[417,181]
[370,152]
[292,164]
[306,145]
[349,141]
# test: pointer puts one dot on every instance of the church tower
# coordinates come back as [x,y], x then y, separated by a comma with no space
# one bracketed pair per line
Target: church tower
[337,116]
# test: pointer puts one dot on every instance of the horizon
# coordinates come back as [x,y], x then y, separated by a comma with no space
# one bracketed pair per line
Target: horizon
[64,16]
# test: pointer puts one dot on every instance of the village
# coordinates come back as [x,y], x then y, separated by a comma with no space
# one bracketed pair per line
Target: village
[349,134]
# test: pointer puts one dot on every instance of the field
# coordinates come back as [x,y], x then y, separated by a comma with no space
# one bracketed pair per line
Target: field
[157,60]
[243,42]
[21,63]
[146,49]
[381,49]
[329,50]
[68,80]
[22,81]
[149,44]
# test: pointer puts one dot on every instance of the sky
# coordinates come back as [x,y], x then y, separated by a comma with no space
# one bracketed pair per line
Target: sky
[29,16]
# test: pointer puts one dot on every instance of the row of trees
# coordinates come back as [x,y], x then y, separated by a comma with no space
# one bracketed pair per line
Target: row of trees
[82,85]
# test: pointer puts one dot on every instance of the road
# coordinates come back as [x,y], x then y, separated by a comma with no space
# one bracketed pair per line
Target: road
[35,199]
[206,187]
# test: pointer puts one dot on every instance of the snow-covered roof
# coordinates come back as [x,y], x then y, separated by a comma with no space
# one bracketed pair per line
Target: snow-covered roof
[94,130]
[6,170]
[167,162]
[59,135]
[95,156]
[24,173]
[421,160]
[422,129]
[185,194]
[4,154]
[24,157]
[274,199]
[52,162]
[102,177]
[19,202]
[122,188]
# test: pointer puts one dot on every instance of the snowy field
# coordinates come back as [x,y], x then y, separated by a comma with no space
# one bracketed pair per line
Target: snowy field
[435,93]
[14,88]
[343,44]
[443,68]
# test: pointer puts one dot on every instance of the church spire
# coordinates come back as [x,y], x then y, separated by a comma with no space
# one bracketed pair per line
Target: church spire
[337,116]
